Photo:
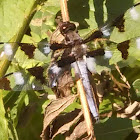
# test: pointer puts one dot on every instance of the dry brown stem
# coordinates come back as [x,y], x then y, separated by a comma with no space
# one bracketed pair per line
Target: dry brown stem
[65,17]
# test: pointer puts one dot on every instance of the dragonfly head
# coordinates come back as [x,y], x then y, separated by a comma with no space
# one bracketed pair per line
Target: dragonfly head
[65,27]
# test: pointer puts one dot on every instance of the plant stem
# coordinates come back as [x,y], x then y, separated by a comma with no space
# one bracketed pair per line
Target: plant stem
[4,64]
[64,10]
[80,87]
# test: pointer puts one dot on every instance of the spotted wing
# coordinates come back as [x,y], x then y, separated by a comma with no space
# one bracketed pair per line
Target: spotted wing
[28,65]
[30,79]
[32,51]
[120,28]
[108,53]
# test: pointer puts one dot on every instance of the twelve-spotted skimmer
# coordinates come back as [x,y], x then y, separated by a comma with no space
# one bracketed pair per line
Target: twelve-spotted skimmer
[68,48]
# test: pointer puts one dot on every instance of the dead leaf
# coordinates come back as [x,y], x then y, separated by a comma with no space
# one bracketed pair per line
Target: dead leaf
[5,84]
[79,131]
[131,112]
[66,121]
[54,109]
[132,107]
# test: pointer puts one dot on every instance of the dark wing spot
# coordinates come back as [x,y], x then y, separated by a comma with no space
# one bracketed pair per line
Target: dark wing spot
[123,48]
[119,23]
[56,46]
[5,84]
[38,73]
[93,36]
[66,58]
[98,52]
[66,61]
[28,49]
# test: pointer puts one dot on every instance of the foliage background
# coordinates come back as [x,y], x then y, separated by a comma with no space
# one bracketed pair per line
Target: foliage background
[21,112]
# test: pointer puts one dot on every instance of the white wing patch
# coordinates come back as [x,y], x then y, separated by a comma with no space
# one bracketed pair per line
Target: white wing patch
[55,69]
[134,14]
[8,49]
[138,43]
[91,64]
[19,80]
[47,50]
[105,30]
[108,54]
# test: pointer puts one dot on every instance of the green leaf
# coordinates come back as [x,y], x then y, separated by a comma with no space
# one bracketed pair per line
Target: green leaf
[31,117]
[72,107]
[107,104]
[26,100]
[3,121]
[15,19]
[44,20]
[15,111]
[115,129]
[136,85]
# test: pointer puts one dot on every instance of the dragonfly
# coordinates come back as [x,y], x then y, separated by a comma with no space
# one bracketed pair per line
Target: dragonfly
[67,50]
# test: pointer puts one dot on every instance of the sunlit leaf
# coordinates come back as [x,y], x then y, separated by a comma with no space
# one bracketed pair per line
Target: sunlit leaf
[3,121]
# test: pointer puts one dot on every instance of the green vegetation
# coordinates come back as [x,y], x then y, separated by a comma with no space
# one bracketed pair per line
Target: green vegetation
[22,112]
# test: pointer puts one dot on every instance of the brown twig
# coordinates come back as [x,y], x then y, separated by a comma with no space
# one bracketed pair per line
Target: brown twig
[81,90]
[125,81]
[122,76]
[120,85]
[64,10]
[85,107]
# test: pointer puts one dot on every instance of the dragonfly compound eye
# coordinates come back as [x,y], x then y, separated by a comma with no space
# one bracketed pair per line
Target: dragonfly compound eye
[65,27]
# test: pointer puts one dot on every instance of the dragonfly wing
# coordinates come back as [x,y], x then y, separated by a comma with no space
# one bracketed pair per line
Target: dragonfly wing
[122,26]
[30,79]
[110,53]
[26,51]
